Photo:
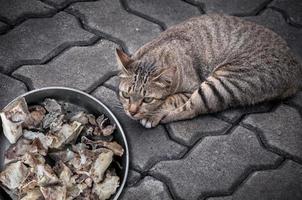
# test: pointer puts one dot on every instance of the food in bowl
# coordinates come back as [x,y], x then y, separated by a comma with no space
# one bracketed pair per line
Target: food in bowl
[58,155]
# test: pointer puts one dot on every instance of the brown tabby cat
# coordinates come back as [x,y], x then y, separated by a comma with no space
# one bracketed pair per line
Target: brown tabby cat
[203,65]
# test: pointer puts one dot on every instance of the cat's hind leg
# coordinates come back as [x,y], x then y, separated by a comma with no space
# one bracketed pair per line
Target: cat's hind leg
[237,85]
[215,94]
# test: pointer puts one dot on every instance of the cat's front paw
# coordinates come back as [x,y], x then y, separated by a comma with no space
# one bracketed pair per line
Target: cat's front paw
[149,123]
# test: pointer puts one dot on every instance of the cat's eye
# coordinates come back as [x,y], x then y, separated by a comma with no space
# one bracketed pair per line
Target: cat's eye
[125,95]
[148,99]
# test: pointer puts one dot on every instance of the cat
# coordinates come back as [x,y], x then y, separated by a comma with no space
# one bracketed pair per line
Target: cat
[204,65]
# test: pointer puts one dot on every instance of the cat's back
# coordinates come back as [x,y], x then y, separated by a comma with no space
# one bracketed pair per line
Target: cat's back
[216,35]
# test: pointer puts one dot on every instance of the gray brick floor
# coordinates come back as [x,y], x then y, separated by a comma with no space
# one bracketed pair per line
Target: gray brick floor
[243,153]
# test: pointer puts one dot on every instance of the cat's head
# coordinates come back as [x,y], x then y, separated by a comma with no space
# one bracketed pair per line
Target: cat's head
[143,85]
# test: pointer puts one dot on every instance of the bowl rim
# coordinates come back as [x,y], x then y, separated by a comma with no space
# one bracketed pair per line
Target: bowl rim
[122,185]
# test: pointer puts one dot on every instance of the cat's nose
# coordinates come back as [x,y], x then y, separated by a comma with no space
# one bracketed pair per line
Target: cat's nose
[133,109]
[132,112]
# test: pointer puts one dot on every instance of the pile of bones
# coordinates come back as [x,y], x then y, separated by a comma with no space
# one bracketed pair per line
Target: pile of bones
[56,155]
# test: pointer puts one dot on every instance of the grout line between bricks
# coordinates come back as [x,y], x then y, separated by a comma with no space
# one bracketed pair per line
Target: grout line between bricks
[188,150]
[244,178]
[168,133]
[110,87]
[286,17]
[295,106]
[199,5]
[54,53]
[26,81]
[228,132]
[257,11]
[171,194]
[26,16]
[167,183]
[153,162]
[138,180]
[126,7]
[84,25]
[65,46]
[207,134]
[143,175]
[264,143]
[65,4]
[101,81]
[237,183]
[274,106]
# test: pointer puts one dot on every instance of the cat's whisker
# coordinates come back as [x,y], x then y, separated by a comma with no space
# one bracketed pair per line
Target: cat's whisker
[121,108]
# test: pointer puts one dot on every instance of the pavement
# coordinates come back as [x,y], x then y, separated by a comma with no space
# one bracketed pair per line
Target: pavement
[244,153]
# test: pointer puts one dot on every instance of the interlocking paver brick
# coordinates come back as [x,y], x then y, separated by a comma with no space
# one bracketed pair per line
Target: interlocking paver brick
[282,129]
[214,164]
[133,177]
[274,20]
[148,189]
[78,67]
[9,89]
[292,8]
[40,48]
[109,17]
[15,10]
[189,131]
[35,39]
[147,146]
[284,183]
[234,114]
[169,12]
[238,7]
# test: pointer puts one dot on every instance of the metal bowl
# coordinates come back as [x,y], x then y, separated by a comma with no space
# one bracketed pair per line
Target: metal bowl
[84,101]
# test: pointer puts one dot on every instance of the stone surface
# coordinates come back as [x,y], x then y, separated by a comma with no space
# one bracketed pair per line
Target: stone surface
[78,67]
[9,89]
[282,129]
[234,114]
[214,164]
[41,46]
[146,146]
[113,82]
[237,7]
[292,8]
[280,184]
[35,39]
[189,131]
[133,177]
[109,17]
[15,10]
[274,20]
[148,189]
[169,12]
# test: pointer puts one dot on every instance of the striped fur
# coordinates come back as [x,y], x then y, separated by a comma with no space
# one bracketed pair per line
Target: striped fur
[218,62]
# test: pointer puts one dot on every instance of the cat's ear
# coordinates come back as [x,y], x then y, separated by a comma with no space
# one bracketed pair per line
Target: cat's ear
[123,61]
[164,77]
